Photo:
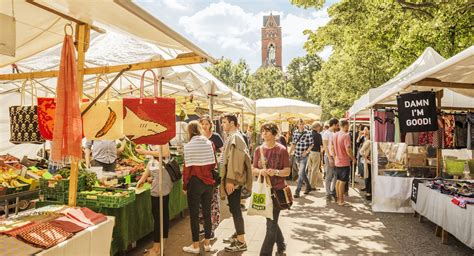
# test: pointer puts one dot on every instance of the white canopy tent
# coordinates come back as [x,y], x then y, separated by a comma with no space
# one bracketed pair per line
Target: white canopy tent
[38,29]
[282,108]
[124,42]
[455,77]
[428,59]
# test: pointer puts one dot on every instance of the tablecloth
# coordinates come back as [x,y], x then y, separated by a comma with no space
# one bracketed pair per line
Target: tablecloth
[93,241]
[439,209]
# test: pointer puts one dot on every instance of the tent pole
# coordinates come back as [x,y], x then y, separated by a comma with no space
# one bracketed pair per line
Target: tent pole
[439,151]
[353,148]
[81,29]
[211,103]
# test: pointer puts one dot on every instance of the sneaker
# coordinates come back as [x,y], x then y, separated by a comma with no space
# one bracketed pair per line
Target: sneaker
[296,196]
[328,197]
[307,191]
[191,249]
[236,246]
[364,189]
[208,248]
[231,239]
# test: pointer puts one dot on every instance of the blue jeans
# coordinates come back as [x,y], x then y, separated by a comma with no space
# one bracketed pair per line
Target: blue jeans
[330,180]
[301,163]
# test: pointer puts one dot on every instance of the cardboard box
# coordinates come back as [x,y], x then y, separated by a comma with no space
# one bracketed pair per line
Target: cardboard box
[416,159]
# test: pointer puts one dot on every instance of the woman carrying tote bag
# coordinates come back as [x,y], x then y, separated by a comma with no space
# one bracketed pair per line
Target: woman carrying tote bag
[272,160]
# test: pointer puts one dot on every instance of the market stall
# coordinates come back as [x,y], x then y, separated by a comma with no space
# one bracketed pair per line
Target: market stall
[398,158]
[282,108]
[105,64]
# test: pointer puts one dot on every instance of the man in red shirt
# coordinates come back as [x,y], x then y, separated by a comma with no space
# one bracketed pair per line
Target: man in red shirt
[343,155]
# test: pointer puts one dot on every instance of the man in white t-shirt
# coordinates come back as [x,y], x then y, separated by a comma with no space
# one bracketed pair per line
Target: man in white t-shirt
[329,165]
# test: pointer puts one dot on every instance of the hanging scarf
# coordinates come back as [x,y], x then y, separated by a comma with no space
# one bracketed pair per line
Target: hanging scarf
[67,133]
[199,152]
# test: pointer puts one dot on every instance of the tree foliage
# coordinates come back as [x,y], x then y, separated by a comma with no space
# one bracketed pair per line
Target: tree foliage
[374,40]
[270,82]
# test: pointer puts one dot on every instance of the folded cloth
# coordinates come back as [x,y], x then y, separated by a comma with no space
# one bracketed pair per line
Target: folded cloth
[69,224]
[94,217]
[15,231]
[13,247]
[78,215]
[44,235]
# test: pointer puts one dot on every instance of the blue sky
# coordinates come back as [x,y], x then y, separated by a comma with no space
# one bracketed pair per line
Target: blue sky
[232,28]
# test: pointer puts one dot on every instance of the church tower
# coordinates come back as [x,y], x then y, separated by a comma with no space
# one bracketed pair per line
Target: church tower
[271,41]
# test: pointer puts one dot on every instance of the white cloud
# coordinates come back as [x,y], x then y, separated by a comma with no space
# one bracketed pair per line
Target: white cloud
[228,29]
[176,4]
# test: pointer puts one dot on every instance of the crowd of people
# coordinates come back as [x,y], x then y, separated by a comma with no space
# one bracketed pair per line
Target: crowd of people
[217,169]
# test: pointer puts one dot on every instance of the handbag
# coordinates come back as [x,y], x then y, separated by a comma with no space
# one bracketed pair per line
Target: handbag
[261,203]
[24,120]
[172,167]
[149,120]
[283,197]
[104,119]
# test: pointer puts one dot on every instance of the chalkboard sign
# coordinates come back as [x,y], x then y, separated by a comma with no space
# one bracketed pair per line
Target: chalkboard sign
[417,112]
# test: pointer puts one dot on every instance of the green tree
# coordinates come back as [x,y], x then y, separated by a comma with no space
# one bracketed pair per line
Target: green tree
[269,82]
[374,40]
[236,76]
[300,77]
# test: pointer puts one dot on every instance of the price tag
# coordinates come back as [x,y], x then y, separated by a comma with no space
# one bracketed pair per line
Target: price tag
[128,179]
[47,175]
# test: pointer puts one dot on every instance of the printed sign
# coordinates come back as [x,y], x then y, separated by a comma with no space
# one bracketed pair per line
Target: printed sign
[258,201]
[417,112]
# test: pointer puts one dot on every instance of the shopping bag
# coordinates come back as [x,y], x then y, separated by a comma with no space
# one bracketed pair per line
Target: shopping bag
[104,120]
[24,120]
[261,203]
[46,112]
[149,120]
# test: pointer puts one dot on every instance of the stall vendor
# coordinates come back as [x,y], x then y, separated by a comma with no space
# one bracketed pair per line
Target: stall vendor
[104,153]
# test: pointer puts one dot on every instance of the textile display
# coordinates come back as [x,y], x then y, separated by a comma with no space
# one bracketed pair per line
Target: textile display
[104,120]
[460,131]
[470,130]
[417,112]
[439,209]
[149,120]
[390,127]
[448,141]
[69,224]
[45,235]
[261,203]
[24,120]
[397,137]
[67,134]
[379,126]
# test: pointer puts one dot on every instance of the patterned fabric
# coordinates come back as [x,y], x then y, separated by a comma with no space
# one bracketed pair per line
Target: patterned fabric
[69,224]
[46,111]
[304,143]
[425,138]
[448,141]
[45,235]
[215,211]
[15,231]
[390,127]
[67,134]
[24,125]
[94,217]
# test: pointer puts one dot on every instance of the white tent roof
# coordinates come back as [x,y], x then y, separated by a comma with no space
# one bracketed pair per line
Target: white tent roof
[275,108]
[38,30]
[457,69]
[428,59]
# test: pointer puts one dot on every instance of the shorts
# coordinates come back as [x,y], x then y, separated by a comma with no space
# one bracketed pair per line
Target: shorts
[342,173]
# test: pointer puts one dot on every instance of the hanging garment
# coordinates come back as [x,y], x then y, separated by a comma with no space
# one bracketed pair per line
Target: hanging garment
[448,124]
[460,131]
[411,138]
[390,127]
[425,138]
[379,126]
[397,136]
[67,134]
[470,137]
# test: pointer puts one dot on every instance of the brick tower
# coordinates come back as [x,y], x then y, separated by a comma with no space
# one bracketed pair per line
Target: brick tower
[271,41]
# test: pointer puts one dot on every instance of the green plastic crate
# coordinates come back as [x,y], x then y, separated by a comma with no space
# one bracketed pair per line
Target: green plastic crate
[21,188]
[61,185]
[86,199]
[60,197]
